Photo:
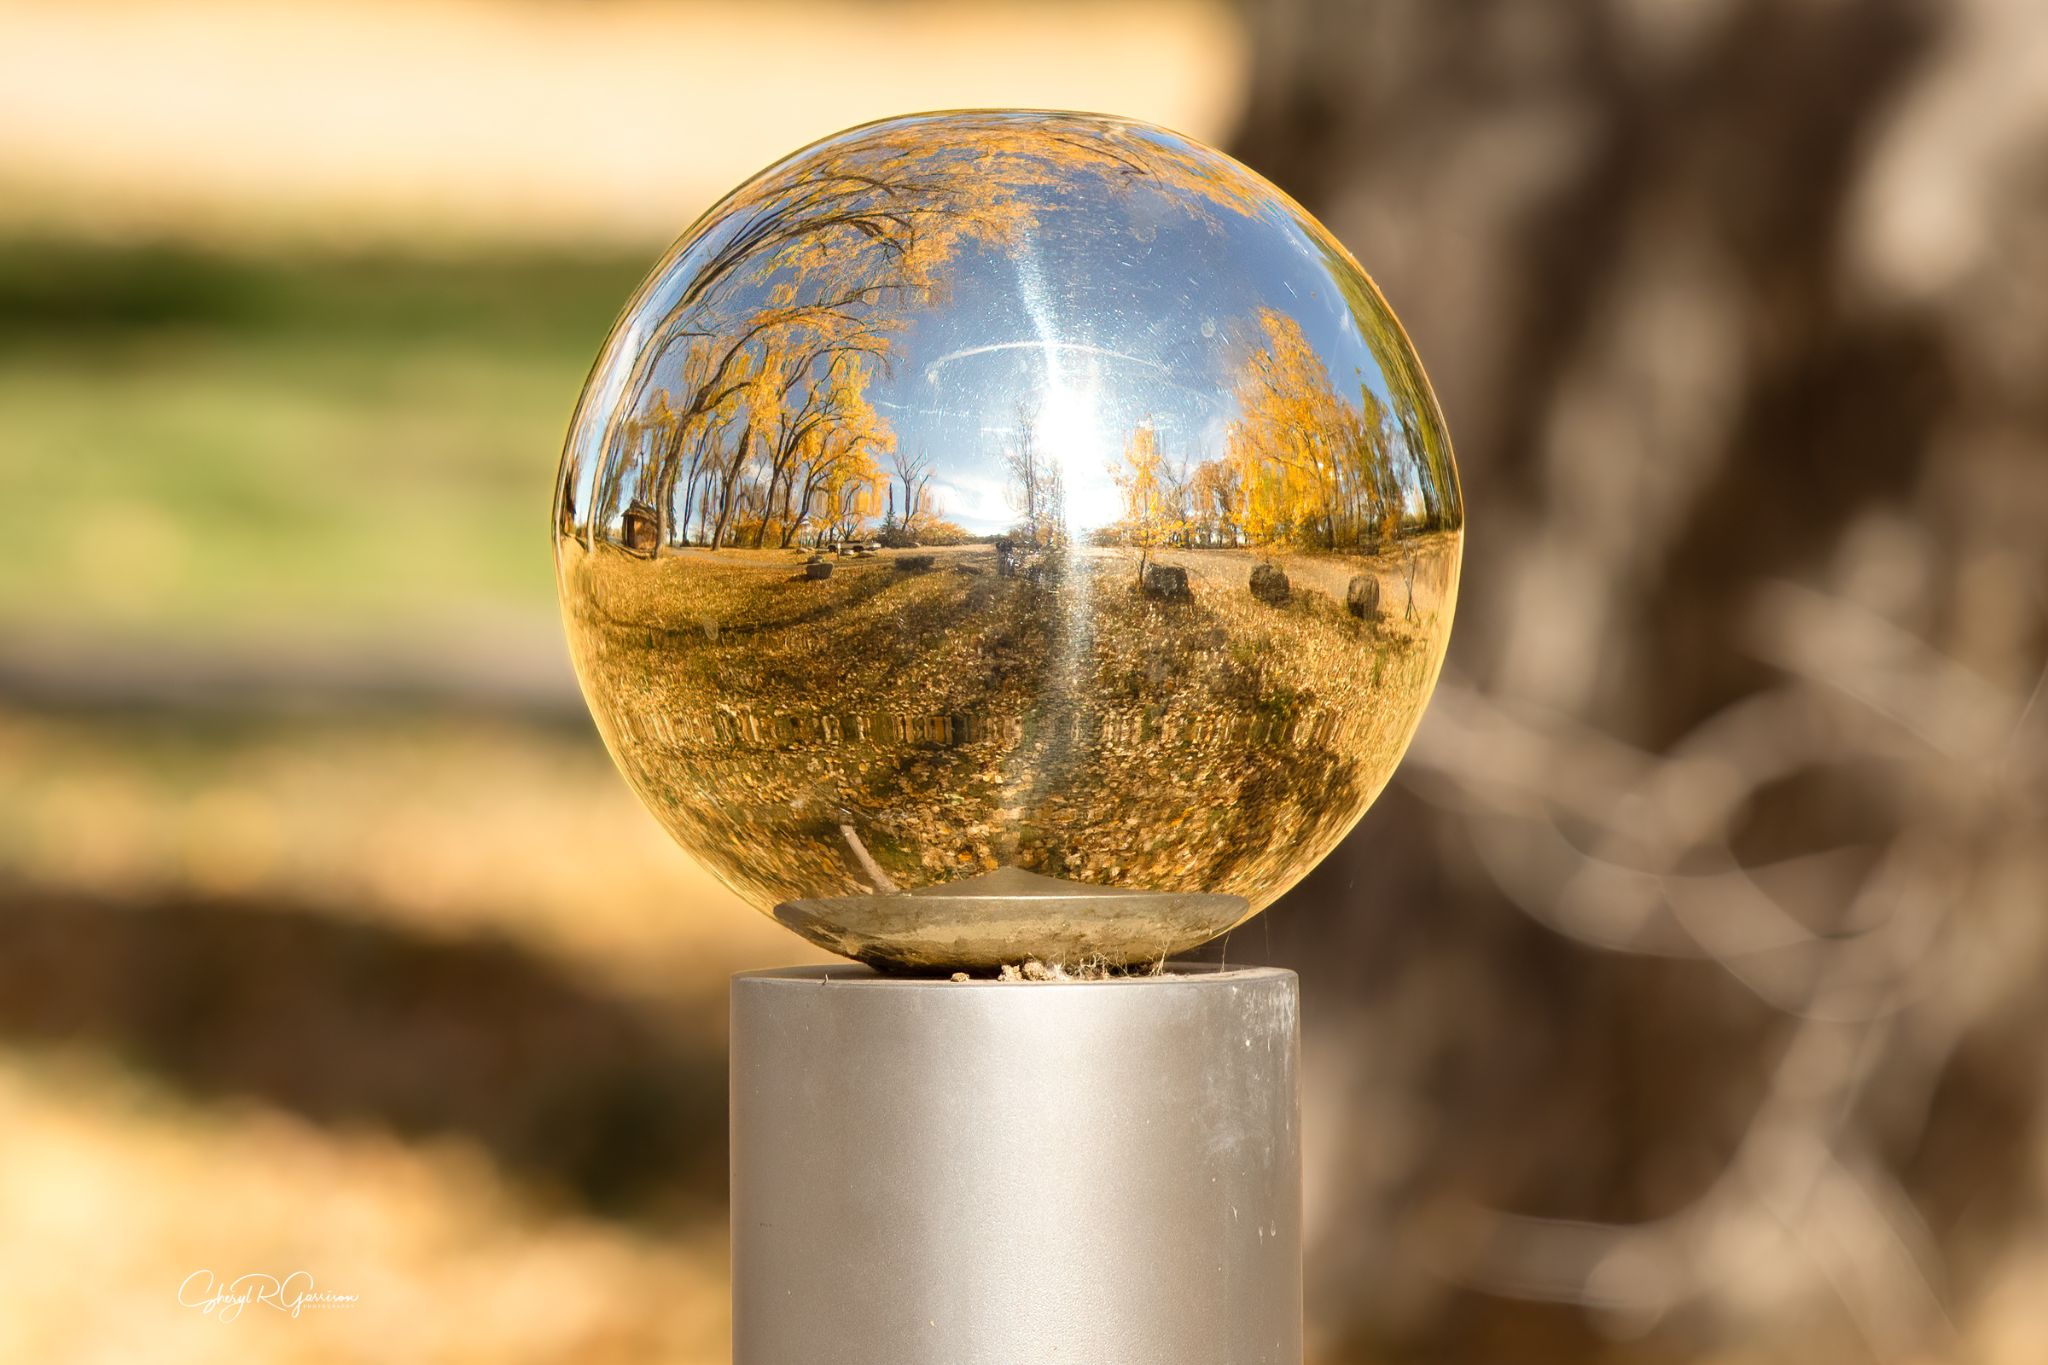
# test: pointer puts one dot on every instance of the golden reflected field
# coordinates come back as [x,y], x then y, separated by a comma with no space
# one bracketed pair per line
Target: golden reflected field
[943,718]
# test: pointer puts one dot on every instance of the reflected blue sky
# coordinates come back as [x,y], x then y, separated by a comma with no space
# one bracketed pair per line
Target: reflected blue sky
[1129,301]
[1133,310]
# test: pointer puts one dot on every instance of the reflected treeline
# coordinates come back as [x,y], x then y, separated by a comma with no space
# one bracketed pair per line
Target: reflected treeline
[1305,465]
[742,416]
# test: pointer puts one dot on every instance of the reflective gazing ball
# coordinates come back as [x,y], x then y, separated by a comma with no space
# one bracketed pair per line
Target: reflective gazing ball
[1003,535]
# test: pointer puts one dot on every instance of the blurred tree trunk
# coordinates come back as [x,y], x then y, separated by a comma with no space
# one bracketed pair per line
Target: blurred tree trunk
[1727,389]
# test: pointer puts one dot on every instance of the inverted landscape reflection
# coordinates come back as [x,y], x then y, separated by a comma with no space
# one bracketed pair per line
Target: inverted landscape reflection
[977,515]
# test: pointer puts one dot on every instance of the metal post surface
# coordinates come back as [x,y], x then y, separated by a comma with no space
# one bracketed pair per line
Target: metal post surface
[928,1172]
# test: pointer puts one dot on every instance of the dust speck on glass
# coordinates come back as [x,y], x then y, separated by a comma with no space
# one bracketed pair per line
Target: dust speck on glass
[1005,535]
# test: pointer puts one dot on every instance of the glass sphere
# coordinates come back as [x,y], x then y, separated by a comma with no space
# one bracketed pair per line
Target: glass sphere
[1006,535]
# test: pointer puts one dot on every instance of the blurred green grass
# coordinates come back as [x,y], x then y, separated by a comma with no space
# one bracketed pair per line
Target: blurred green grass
[247,443]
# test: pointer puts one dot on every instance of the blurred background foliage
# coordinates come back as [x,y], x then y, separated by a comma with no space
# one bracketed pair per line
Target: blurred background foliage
[1680,1003]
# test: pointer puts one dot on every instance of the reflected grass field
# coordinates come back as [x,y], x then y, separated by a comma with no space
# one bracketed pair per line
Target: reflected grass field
[916,719]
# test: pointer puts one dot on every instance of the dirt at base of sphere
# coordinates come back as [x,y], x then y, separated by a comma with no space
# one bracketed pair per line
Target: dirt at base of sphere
[1031,969]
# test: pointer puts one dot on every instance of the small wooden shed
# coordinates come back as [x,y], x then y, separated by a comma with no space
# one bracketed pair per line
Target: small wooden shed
[640,532]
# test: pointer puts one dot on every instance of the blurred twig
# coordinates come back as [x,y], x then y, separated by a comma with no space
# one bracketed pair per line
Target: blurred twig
[1631,851]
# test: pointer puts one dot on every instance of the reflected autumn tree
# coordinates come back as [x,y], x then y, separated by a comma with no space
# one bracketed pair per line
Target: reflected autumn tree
[1154,501]
[1309,465]
[910,504]
[750,431]
[1215,504]
[1304,465]
[1036,490]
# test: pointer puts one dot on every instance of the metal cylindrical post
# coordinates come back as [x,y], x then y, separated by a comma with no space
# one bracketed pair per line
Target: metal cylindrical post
[930,1172]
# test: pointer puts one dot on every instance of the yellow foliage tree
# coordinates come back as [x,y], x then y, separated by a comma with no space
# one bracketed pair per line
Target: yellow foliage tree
[1143,481]
[1215,493]
[1308,465]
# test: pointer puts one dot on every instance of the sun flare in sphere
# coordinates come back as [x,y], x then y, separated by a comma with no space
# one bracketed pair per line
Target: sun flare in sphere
[1008,535]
